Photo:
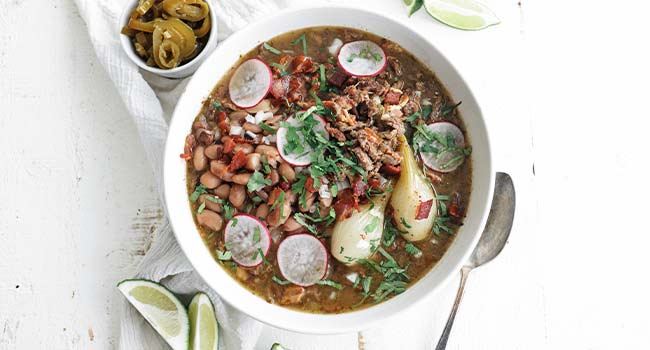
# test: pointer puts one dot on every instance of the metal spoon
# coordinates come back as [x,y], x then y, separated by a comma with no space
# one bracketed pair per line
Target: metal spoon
[494,238]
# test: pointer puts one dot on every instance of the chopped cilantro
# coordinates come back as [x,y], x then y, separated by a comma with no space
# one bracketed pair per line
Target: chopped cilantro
[199,190]
[412,249]
[446,110]
[323,80]
[404,222]
[201,207]
[257,234]
[256,182]
[223,256]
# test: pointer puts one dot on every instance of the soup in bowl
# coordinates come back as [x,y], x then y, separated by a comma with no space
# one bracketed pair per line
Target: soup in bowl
[329,173]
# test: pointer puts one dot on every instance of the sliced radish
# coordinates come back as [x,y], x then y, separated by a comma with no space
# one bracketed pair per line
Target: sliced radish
[302,259]
[303,158]
[447,159]
[362,58]
[250,83]
[247,239]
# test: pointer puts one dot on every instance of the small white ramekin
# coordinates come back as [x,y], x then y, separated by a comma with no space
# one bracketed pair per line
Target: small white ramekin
[181,71]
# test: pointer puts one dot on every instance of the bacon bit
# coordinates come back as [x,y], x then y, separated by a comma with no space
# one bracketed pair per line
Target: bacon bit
[392,97]
[358,186]
[301,64]
[433,177]
[238,161]
[274,196]
[297,89]
[374,183]
[338,78]
[283,60]
[309,185]
[455,208]
[292,294]
[224,127]
[390,169]
[345,204]
[190,142]
[280,87]
[229,146]
[285,185]
[239,139]
[423,209]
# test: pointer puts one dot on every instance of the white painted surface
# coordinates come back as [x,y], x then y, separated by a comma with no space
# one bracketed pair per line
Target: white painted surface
[563,86]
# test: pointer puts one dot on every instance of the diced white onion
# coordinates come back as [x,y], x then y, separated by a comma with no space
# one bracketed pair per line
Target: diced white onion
[425,101]
[236,130]
[251,134]
[352,277]
[324,192]
[273,138]
[249,118]
[335,46]
[262,116]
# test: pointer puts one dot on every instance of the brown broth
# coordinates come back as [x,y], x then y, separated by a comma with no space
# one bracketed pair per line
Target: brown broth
[322,298]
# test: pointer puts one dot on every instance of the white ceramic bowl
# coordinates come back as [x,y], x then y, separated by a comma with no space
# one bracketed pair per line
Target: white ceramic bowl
[182,71]
[189,105]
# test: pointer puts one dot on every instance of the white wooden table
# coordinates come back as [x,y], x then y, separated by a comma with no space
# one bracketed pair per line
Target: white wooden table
[563,85]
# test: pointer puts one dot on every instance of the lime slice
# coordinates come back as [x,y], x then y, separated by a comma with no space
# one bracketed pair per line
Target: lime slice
[413,5]
[161,309]
[461,14]
[204,330]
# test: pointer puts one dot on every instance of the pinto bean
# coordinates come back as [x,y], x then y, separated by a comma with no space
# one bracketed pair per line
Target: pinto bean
[213,151]
[210,219]
[212,205]
[223,191]
[269,151]
[326,202]
[275,177]
[200,160]
[252,127]
[218,167]
[245,147]
[241,179]
[242,274]
[209,180]
[287,172]
[253,161]
[291,225]
[308,203]
[238,115]
[262,211]
[237,196]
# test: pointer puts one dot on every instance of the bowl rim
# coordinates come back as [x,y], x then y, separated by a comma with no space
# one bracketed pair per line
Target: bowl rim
[290,319]
[127,46]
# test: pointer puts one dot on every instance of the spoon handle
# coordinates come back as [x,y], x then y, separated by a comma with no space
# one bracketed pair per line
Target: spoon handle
[442,343]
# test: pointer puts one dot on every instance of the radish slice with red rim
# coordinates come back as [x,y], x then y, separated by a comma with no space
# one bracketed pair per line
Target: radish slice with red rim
[362,58]
[291,141]
[446,151]
[250,83]
[247,239]
[302,259]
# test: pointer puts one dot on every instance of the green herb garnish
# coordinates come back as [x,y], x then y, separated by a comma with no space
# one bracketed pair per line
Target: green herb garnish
[404,222]
[223,256]
[330,283]
[199,190]
[201,207]
[412,249]
[323,80]
[268,129]
[303,39]
[257,181]
[446,110]
[279,281]
[271,48]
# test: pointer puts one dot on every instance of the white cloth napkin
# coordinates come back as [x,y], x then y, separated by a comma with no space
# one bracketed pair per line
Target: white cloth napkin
[150,101]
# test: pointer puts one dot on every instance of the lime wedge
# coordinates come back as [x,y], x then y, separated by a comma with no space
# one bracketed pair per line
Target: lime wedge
[413,5]
[204,330]
[277,346]
[461,14]
[161,309]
